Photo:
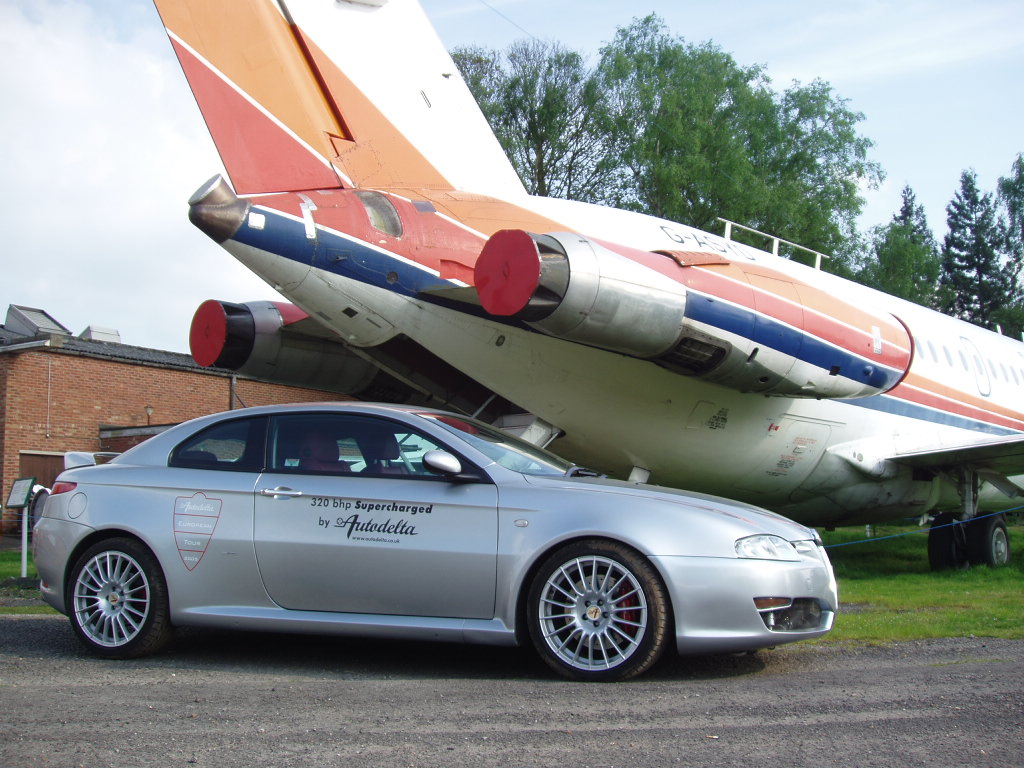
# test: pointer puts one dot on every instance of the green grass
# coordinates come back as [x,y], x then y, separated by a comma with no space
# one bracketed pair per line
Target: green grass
[13,595]
[887,593]
[10,566]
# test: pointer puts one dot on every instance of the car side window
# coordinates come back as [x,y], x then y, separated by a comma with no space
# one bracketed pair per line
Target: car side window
[324,443]
[236,445]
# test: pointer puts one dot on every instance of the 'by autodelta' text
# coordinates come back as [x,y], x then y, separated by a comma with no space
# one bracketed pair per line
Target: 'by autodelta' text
[352,524]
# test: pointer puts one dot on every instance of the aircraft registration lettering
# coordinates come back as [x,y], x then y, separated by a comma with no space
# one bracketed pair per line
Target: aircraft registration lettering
[703,240]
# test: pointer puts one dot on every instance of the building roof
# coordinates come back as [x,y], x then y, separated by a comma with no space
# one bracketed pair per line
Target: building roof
[27,325]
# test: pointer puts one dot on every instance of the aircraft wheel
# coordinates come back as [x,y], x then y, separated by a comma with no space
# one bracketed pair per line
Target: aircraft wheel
[947,544]
[988,542]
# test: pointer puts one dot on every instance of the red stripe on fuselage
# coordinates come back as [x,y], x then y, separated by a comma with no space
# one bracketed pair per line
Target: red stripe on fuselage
[915,390]
[843,325]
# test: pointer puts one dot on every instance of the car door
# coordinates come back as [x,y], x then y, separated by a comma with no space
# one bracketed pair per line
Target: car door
[208,490]
[348,520]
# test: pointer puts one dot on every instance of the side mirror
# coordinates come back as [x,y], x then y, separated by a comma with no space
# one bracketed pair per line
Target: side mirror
[442,463]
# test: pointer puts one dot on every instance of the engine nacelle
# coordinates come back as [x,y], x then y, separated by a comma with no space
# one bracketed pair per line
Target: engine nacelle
[744,330]
[573,288]
[253,339]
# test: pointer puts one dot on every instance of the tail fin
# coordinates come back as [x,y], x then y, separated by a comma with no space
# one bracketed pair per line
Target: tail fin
[315,94]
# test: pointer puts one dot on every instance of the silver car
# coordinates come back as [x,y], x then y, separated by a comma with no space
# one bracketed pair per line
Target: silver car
[400,522]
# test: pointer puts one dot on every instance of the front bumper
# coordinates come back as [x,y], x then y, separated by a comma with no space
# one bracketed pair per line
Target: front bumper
[714,609]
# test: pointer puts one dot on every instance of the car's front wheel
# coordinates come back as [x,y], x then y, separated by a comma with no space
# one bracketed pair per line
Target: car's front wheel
[598,611]
[117,600]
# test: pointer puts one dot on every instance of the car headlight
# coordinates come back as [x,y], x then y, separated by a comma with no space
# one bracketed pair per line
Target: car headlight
[766,546]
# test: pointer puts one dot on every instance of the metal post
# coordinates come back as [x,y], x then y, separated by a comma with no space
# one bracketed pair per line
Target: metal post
[24,542]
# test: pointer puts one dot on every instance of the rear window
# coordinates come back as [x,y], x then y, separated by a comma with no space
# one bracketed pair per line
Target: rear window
[228,445]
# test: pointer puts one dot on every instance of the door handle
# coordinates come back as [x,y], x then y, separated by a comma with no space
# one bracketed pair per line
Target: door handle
[279,492]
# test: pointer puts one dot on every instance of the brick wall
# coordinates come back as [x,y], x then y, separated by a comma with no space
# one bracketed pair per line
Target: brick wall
[57,401]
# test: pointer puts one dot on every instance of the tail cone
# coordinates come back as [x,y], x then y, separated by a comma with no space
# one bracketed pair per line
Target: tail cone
[216,210]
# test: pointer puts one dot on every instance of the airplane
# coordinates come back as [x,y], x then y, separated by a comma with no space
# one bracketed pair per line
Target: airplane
[367,188]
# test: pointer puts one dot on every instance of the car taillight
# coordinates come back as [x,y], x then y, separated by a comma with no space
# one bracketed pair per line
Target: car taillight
[63,487]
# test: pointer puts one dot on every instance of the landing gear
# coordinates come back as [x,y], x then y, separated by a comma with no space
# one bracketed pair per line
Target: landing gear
[988,542]
[959,541]
[947,544]
[957,545]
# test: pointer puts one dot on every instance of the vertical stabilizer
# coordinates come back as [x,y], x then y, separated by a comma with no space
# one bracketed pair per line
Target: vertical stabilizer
[315,94]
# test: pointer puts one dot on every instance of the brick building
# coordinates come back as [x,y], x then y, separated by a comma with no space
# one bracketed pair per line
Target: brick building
[60,392]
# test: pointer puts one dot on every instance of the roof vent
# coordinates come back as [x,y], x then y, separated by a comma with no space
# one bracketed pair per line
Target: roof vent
[28,321]
[93,333]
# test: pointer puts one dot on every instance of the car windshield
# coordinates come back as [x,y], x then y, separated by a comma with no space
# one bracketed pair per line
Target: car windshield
[506,450]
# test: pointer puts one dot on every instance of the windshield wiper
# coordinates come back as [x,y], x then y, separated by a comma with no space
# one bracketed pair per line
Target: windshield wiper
[577,471]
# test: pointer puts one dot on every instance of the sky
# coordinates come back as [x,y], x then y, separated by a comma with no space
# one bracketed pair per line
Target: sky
[104,143]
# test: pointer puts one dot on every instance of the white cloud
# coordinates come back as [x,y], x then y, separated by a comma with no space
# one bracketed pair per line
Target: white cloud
[881,40]
[105,146]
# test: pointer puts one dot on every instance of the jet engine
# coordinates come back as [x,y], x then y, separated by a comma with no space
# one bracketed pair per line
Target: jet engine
[751,329]
[269,341]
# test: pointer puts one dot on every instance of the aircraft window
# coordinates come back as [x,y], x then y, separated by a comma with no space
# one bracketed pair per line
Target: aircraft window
[381,211]
[992,368]
[921,346]
[1014,372]
[949,357]
[963,360]
[931,348]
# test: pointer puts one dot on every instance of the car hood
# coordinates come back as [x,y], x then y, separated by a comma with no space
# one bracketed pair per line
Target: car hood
[740,514]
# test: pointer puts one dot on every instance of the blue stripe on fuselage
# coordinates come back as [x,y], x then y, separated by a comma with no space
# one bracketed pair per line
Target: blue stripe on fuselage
[899,407]
[332,252]
[352,258]
[286,237]
[804,346]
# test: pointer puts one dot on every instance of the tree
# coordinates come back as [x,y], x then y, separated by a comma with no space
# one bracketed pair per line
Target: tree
[701,137]
[546,108]
[680,131]
[978,279]
[1010,198]
[905,258]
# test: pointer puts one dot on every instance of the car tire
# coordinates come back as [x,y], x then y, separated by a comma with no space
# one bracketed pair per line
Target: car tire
[947,545]
[597,610]
[36,507]
[117,600]
[988,542]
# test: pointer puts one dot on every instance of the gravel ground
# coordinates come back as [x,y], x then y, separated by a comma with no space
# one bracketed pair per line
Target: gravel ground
[229,699]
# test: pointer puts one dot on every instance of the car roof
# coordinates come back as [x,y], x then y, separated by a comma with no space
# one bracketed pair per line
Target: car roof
[156,449]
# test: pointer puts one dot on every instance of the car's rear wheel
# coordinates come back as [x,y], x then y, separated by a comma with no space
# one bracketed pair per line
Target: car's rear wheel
[117,600]
[598,611]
